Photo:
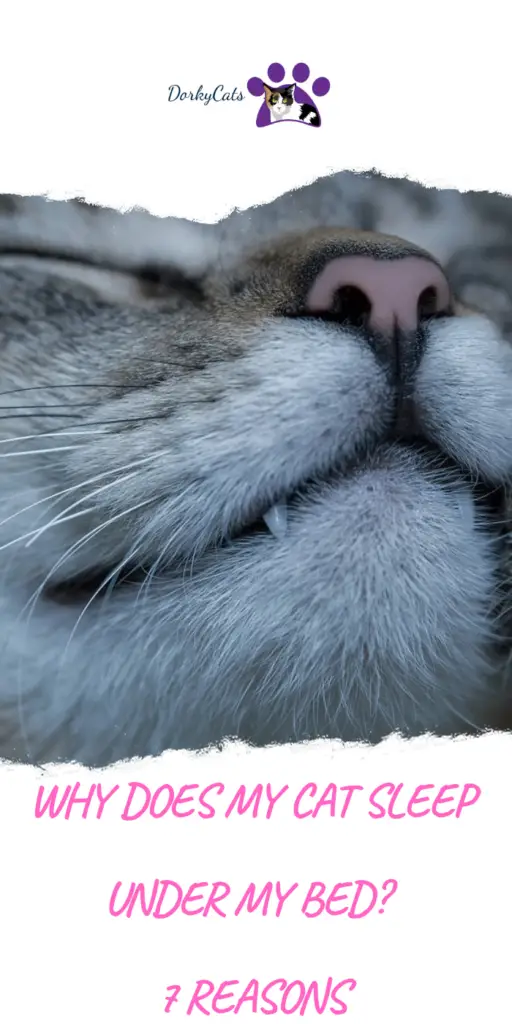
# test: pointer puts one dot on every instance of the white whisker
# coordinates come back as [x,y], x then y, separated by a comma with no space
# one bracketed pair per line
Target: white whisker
[41,451]
[30,535]
[91,494]
[119,567]
[76,547]
[51,498]
[71,490]
[53,433]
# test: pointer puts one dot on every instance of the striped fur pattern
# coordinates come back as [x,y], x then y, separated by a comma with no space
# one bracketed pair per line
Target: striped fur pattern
[164,400]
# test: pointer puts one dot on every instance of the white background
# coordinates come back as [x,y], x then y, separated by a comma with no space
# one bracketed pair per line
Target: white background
[416,90]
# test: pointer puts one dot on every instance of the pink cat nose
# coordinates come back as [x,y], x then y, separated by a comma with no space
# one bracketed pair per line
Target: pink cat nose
[385,294]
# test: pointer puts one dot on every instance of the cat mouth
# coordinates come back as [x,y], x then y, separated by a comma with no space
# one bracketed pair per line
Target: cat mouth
[274,521]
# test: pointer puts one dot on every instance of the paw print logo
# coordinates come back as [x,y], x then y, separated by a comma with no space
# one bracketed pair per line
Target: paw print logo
[284,101]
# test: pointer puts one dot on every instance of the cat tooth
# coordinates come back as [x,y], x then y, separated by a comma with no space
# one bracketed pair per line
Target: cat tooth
[277,520]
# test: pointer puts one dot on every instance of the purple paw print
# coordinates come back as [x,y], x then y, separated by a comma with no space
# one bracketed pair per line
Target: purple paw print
[275,76]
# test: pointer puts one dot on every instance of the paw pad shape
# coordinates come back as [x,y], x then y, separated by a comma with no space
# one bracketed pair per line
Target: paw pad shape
[276,76]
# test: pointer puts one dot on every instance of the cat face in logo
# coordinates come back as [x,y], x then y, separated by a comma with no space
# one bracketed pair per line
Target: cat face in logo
[279,101]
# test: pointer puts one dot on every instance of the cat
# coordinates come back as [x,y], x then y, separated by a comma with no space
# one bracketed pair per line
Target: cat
[234,501]
[283,106]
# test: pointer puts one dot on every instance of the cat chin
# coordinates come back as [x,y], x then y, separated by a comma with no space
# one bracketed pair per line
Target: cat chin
[378,596]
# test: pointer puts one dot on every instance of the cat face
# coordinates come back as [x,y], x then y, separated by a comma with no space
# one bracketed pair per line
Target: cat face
[279,101]
[263,518]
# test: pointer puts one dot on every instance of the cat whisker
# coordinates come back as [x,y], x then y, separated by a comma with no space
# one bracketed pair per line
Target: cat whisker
[81,423]
[51,433]
[40,451]
[53,497]
[54,387]
[84,384]
[144,589]
[93,494]
[104,583]
[32,602]
[32,535]
[47,415]
[55,405]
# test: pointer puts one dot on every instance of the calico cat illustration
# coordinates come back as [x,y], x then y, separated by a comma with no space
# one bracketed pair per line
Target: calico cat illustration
[284,107]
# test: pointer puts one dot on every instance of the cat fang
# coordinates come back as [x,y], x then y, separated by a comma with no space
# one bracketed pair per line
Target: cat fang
[283,106]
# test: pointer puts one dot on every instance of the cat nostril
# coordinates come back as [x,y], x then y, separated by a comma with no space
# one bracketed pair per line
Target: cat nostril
[428,304]
[352,306]
[388,294]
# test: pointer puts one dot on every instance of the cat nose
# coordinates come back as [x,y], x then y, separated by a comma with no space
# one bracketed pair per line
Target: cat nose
[381,294]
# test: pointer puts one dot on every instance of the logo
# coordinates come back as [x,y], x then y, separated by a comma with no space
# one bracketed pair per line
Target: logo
[284,101]
[219,94]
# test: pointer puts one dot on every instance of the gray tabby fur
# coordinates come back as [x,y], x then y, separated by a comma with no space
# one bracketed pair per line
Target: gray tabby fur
[173,420]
